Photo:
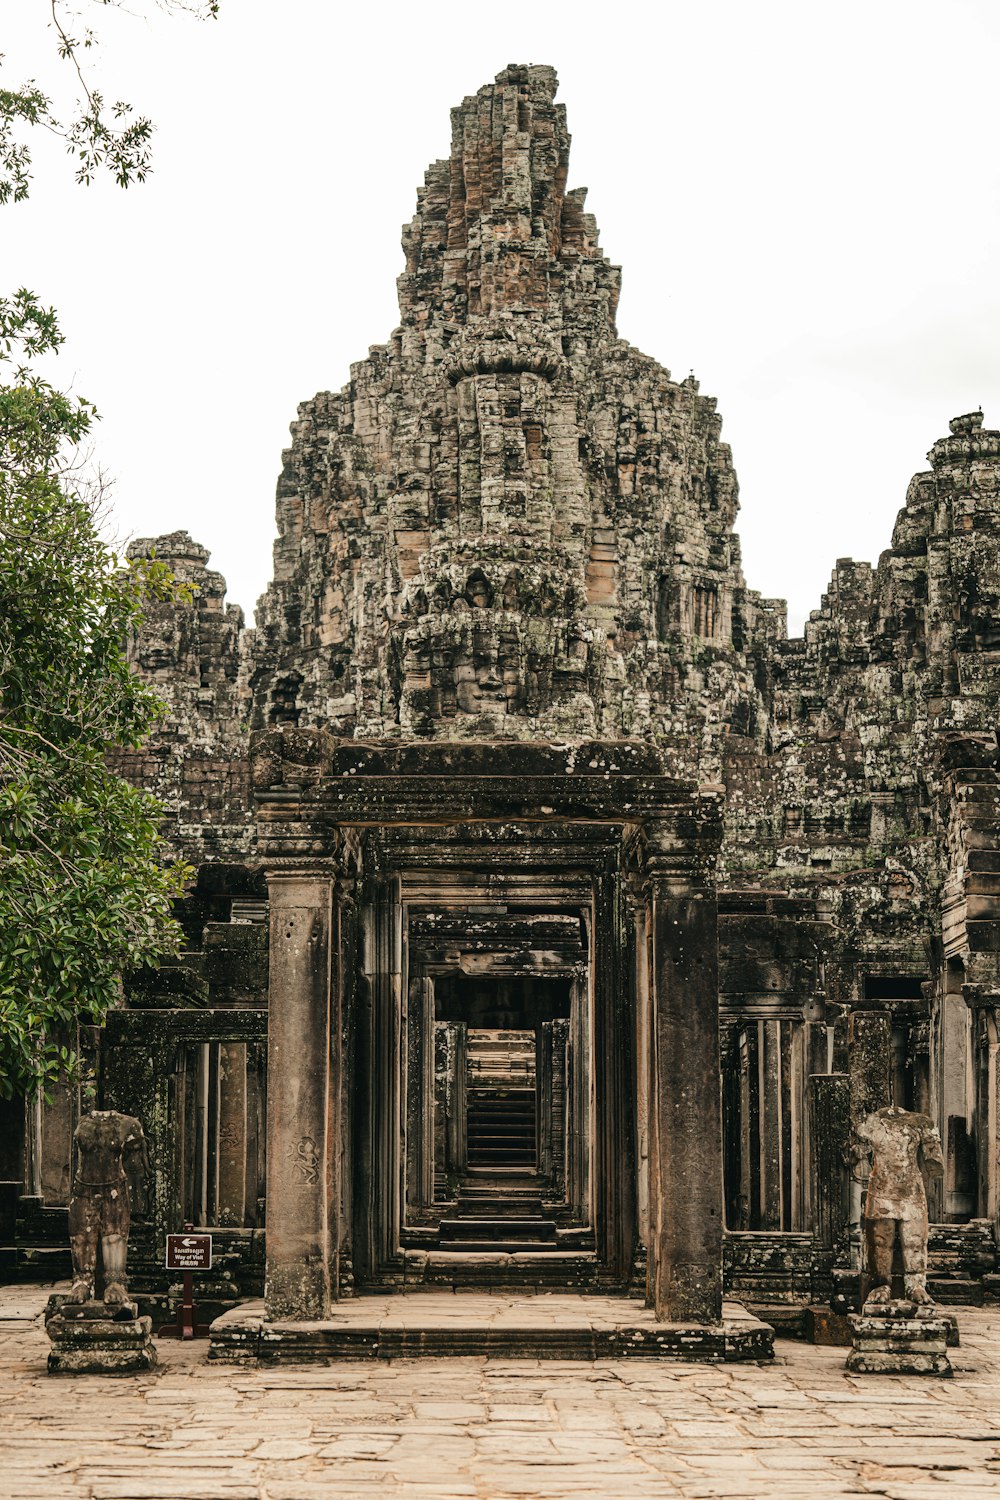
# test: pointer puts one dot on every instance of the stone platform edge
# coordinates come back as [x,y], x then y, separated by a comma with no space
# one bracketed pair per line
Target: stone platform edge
[245,1336]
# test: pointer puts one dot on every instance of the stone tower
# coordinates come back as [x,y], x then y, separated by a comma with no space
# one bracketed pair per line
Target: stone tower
[510,524]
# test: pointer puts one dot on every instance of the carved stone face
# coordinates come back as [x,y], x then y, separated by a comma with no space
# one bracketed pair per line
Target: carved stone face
[158,648]
[164,641]
[478,592]
[156,657]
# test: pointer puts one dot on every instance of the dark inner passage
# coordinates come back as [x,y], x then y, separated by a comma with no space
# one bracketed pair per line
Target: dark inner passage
[497,1080]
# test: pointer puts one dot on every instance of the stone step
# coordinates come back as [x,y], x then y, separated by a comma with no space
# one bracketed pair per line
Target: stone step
[537,1230]
[500,1121]
[506,1187]
[500,1176]
[496,1206]
[499,1136]
[44,1262]
[502,1156]
[479,1123]
[507,1246]
[585,1328]
[520,1141]
[525,1139]
[511,1152]
[542,1267]
[955,1290]
[499,1114]
[502,1109]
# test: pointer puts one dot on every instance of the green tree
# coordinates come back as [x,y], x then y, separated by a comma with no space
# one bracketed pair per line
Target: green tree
[85,890]
[86,883]
[98,134]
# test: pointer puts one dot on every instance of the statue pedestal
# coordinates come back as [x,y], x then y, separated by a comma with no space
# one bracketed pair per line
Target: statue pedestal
[87,1340]
[900,1338]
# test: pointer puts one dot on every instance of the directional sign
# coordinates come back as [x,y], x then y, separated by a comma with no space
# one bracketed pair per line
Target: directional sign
[189,1252]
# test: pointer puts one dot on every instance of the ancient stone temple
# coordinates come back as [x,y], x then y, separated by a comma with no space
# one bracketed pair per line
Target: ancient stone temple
[558,918]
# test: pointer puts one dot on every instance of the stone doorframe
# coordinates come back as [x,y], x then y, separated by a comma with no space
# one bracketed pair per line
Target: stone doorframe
[315,796]
[545,864]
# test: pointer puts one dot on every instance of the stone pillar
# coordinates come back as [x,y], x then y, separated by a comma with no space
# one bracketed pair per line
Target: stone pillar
[614,1086]
[988,1133]
[578,1104]
[454,1080]
[869,1050]
[460,1096]
[869,1041]
[954,1039]
[543,1100]
[830,1129]
[59,1116]
[560,1034]
[302,1149]
[771,1133]
[985,1006]
[642,1073]
[231,1170]
[420,1092]
[384,958]
[686,1219]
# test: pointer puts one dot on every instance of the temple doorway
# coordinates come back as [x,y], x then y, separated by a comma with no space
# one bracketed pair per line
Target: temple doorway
[497,1072]
[422,897]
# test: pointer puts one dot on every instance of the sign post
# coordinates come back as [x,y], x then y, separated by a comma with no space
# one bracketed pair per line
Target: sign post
[187,1252]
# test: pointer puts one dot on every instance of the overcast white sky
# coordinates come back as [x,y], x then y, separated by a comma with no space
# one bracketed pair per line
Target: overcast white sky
[804,199]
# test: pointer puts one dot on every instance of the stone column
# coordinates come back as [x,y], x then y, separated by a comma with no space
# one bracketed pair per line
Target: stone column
[560,1034]
[543,1100]
[231,1170]
[954,1044]
[614,1089]
[58,1120]
[984,1002]
[830,1130]
[830,1135]
[642,1052]
[420,1092]
[459,1093]
[771,1134]
[686,1218]
[302,1148]
[869,1050]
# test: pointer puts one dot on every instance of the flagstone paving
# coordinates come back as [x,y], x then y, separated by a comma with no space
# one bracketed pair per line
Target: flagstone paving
[496,1429]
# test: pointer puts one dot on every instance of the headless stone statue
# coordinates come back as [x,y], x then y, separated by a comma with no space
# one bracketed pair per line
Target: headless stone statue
[99,1209]
[904,1147]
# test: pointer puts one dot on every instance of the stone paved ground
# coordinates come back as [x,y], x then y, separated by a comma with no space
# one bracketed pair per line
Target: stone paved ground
[492,1429]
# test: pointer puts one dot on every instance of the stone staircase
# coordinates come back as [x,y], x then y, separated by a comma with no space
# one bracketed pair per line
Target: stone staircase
[500,1101]
[509,1219]
[501,1128]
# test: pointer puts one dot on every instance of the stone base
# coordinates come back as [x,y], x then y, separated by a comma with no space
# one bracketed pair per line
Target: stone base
[86,1343]
[899,1362]
[900,1338]
[826,1327]
[429,1324]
